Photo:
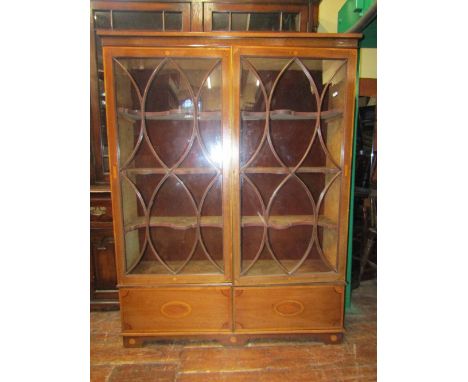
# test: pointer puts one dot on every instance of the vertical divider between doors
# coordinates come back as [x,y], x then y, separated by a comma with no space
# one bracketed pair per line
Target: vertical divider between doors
[227,213]
[235,86]
[235,190]
[227,170]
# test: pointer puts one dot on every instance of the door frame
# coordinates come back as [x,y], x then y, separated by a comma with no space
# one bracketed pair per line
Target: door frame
[109,53]
[350,55]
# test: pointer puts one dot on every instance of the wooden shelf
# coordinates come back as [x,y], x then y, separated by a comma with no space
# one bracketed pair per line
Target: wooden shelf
[176,222]
[283,170]
[99,188]
[289,115]
[261,268]
[187,222]
[275,115]
[248,170]
[170,115]
[177,171]
[287,221]
[264,267]
[193,267]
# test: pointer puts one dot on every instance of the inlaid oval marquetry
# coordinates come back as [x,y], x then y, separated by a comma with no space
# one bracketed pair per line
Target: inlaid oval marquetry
[176,309]
[289,308]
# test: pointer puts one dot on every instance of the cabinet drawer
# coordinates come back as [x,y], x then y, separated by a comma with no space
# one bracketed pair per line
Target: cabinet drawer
[176,310]
[289,308]
[101,210]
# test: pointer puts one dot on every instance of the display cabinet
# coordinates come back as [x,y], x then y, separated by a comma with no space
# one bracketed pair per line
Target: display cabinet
[230,158]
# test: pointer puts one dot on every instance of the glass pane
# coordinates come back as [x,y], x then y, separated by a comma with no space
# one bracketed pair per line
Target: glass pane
[173,21]
[102,118]
[99,61]
[137,20]
[291,22]
[220,21]
[240,21]
[264,22]
[290,157]
[102,107]
[102,19]
[170,146]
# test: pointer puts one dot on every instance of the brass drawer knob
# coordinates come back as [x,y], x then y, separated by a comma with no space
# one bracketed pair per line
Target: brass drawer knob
[98,210]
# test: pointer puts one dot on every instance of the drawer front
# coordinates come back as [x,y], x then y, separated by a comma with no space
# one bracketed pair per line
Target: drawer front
[101,210]
[289,308]
[176,310]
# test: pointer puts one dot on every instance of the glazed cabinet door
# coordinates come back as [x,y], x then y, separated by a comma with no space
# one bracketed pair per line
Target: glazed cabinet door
[293,121]
[169,144]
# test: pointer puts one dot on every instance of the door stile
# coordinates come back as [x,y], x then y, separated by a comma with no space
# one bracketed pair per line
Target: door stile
[346,160]
[235,193]
[227,164]
[111,124]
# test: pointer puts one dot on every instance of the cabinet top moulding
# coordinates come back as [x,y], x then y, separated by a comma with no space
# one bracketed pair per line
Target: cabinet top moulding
[135,5]
[265,39]
[131,3]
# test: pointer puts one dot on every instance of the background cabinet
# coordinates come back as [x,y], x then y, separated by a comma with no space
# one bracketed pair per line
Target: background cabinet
[290,17]
[230,182]
[170,16]
[104,294]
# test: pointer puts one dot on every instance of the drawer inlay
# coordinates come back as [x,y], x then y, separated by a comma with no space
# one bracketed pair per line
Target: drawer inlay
[176,309]
[289,308]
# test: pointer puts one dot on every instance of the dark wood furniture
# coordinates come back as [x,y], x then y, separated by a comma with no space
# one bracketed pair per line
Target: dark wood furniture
[104,294]
[183,16]
[365,192]
[230,159]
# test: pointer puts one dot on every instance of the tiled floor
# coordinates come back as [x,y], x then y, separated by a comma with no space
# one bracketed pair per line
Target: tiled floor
[353,360]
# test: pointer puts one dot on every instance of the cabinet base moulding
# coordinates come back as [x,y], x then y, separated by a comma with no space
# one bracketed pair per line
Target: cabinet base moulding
[234,339]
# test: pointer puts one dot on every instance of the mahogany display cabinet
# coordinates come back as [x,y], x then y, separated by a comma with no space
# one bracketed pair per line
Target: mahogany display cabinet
[230,157]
